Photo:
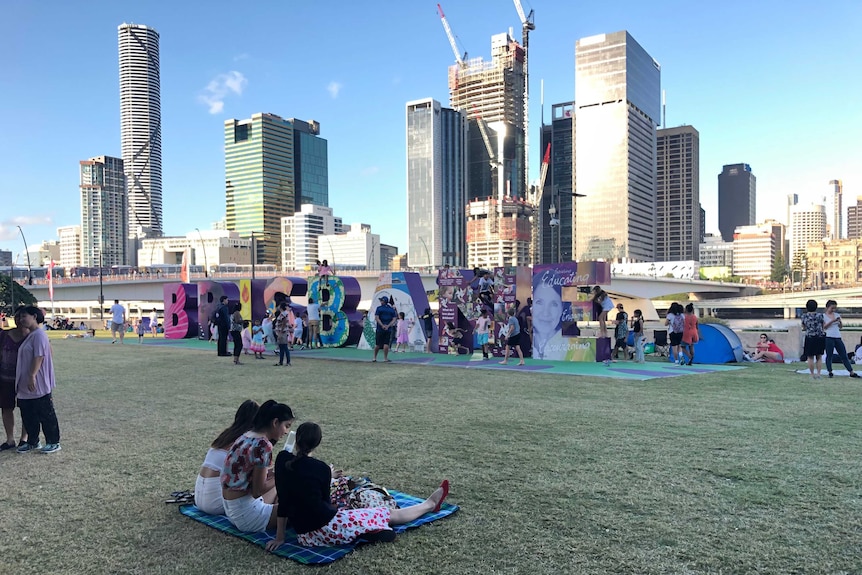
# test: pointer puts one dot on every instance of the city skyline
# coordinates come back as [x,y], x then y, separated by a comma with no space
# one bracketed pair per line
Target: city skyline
[738,103]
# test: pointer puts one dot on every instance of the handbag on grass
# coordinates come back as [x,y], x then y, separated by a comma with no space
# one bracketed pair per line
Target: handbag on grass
[359,493]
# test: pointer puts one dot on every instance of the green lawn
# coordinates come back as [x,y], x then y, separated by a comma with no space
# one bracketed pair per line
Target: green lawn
[756,470]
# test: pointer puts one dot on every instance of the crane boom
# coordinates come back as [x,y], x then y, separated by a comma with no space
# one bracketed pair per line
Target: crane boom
[544,173]
[483,129]
[451,36]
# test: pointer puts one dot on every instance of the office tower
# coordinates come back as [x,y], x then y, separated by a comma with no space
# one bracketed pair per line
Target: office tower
[836,189]
[259,181]
[311,164]
[754,251]
[854,219]
[491,94]
[104,212]
[70,246]
[677,193]
[715,252]
[792,200]
[807,226]
[141,127]
[617,107]
[702,223]
[387,256]
[736,199]
[779,232]
[436,184]
[357,249]
[299,234]
[557,242]
[5,257]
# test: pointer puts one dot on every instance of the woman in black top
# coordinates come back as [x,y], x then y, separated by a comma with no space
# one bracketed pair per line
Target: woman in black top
[302,484]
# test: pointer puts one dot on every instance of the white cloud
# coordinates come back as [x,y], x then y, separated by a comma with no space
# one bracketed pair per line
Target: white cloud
[242,56]
[220,87]
[9,227]
[334,88]
[369,171]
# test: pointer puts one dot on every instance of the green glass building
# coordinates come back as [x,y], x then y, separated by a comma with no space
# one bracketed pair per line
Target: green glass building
[260,185]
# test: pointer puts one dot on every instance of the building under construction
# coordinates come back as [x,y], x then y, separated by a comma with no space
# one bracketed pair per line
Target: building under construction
[492,94]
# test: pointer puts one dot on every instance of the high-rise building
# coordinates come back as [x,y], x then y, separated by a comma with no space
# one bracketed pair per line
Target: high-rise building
[260,181]
[141,127]
[557,242]
[387,256]
[5,257]
[104,212]
[836,227]
[70,246]
[807,226]
[754,250]
[737,189]
[678,224]
[617,107]
[311,164]
[854,219]
[299,234]
[792,200]
[436,184]
[494,92]
[491,95]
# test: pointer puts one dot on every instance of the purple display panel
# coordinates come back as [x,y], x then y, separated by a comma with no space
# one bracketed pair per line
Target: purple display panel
[209,293]
[505,286]
[340,322]
[181,310]
[603,349]
[420,303]
[458,303]
[406,291]
[556,310]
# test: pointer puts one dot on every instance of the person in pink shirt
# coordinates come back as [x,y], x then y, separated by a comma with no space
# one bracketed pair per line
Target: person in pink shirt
[690,334]
[34,383]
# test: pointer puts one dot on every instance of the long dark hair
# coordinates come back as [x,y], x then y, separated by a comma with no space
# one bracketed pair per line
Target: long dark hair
[242,422]
[269,411]
[308,436]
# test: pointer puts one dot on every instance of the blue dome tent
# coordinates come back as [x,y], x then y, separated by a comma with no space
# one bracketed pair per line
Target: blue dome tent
[718,344]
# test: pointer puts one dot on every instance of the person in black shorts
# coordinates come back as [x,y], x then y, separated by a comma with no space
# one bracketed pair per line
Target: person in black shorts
[815,338]
[384,319]
[428,325]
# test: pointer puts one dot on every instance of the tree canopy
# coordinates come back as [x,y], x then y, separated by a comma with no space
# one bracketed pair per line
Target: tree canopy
[22,295]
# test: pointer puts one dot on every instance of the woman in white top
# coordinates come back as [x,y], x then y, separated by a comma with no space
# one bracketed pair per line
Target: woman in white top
[208,496]
[832,324]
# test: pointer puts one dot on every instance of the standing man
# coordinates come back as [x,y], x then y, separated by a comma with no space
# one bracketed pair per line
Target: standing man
[118,321]
[313,311]
[513,339]
[384,319]
[221,317]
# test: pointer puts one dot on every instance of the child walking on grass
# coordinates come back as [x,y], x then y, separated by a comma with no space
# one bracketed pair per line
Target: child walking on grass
[140,330]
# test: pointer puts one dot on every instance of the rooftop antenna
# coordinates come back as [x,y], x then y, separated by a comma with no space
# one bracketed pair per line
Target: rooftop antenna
[663,109]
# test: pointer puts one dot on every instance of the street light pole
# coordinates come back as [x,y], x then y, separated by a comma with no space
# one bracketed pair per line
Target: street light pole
[204,248]
[553,223]
[101,292]
[252,256]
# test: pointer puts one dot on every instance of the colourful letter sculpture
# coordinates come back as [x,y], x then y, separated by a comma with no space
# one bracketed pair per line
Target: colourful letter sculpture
[181,310]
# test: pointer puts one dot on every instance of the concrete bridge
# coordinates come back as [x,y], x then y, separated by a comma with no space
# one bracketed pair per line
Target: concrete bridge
[78,298]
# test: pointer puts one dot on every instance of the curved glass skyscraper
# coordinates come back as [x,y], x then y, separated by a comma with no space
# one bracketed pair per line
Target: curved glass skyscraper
[141,127]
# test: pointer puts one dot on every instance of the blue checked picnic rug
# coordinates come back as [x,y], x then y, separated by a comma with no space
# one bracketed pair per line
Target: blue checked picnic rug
[312,555]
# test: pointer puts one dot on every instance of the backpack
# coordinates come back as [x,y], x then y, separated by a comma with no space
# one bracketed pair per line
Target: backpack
[678,323]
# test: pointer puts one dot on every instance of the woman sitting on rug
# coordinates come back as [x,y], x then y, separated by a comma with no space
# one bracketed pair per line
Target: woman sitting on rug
[304,499]
[248,487]
[208,485]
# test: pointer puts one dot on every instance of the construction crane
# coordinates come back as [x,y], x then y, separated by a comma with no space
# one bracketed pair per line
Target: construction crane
[536,203]
[493,207]
[458,58]
[527,24]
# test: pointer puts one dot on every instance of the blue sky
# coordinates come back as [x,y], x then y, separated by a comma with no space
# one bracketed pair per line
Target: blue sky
[772,84]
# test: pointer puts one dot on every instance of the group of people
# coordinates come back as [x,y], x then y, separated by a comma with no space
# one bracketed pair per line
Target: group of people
[283,327]
[683,332]
[242,478]
[27,382]
[823,335]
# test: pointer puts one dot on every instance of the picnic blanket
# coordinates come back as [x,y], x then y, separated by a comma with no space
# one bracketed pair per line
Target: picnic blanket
[312,555]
